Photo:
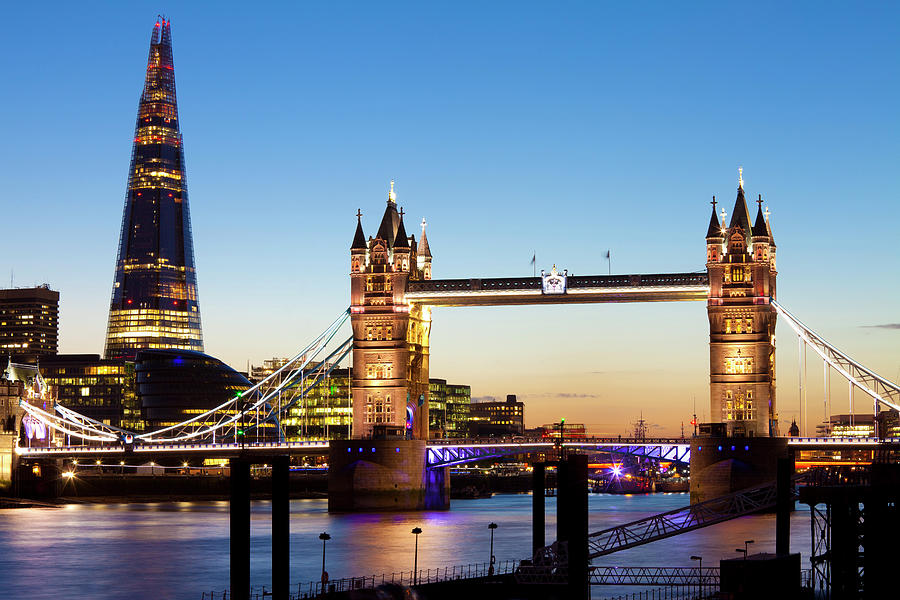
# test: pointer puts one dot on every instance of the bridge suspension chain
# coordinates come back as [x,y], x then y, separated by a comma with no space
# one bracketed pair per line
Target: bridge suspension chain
[879,388]
[261,403]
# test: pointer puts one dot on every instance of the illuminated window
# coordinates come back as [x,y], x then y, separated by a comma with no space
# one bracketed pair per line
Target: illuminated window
[738,407]
[737,274]
[738,365]
[379,370]
[749,325]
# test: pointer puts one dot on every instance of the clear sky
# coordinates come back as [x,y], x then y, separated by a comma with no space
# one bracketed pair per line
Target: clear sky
[561,129]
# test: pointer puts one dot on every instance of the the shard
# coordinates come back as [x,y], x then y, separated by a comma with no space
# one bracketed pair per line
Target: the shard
[154,298]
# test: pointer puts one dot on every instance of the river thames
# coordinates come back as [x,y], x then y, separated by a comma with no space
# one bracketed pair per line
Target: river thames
[178,550]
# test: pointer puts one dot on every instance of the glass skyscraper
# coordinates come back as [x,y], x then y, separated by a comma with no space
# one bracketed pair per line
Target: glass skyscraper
[154,297]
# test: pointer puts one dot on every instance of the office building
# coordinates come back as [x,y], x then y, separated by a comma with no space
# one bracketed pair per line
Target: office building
[497,419]
[448,411]
[102,389]
[29,323]
[154,298]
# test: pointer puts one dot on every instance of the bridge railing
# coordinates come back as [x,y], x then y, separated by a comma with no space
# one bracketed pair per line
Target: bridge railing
[567,441]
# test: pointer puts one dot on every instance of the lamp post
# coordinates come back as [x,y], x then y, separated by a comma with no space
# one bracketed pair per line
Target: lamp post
[416,531]
[324,537]
[746,545]
[492,526]
[700,578]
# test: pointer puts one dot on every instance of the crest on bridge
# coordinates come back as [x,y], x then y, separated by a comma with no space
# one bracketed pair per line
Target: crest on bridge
[554,282]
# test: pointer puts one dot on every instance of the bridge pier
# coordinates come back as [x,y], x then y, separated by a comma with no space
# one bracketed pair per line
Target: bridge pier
[572,511]
[538,521]
[281,527]
[239,517]
[374,475]
[721,465]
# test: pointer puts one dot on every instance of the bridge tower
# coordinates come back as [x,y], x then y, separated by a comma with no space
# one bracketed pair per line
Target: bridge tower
[740,260]
[390,336]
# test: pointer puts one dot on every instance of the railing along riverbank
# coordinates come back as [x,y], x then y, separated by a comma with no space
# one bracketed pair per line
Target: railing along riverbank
[314,589]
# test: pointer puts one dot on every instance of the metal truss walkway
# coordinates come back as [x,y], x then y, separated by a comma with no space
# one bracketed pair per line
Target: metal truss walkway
[681,520]
[447,453]
[651,576]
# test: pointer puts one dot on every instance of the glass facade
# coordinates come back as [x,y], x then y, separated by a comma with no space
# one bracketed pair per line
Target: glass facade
[154,298]
[448,409]
[176,385]
[102,389]
[323,413]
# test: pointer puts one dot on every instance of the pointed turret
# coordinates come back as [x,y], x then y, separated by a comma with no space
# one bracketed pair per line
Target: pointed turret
[401,240]
[359,239]
[741,215]
[760,229]
[715,227]
[391,220]
[424,250]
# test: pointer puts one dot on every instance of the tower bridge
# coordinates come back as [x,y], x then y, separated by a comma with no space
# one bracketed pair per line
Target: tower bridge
[392,295]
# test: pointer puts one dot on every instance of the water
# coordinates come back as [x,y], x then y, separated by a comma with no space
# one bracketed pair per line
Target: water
[177,550]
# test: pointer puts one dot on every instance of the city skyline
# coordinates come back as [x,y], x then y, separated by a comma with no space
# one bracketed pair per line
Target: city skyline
[483,169]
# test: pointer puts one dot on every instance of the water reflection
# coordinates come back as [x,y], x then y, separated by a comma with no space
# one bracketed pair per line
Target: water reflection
[178,549]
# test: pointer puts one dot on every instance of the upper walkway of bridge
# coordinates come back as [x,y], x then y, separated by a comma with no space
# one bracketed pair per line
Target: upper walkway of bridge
[567,289]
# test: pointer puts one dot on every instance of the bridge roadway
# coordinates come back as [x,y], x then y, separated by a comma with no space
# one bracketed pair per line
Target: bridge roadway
[447,452]
[578,289]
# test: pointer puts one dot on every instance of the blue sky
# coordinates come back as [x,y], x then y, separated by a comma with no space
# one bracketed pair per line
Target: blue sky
[563,129]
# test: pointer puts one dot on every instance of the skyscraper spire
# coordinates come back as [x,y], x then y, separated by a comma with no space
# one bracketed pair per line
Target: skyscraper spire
[154,300]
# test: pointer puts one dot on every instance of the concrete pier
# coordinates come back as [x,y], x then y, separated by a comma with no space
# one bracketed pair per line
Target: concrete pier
[377,475]
[722,465]
[239,517]
[281,528]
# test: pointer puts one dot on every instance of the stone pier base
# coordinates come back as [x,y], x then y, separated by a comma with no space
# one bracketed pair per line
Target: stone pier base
[373,475]
[722,465]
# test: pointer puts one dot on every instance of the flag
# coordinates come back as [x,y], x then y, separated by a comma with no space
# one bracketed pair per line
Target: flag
[533,259]
[607,254]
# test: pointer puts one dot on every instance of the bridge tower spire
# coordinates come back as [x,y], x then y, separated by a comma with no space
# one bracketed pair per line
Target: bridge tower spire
[390,336]
[740,262]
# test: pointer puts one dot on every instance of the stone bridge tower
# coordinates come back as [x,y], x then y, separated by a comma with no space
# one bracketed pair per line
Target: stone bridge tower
[740,260]
[390,336]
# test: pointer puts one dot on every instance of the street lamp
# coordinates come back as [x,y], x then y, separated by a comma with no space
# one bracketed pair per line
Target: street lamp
[324,537]
[416,531]
[492,526]
[746,544]
[700,578]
